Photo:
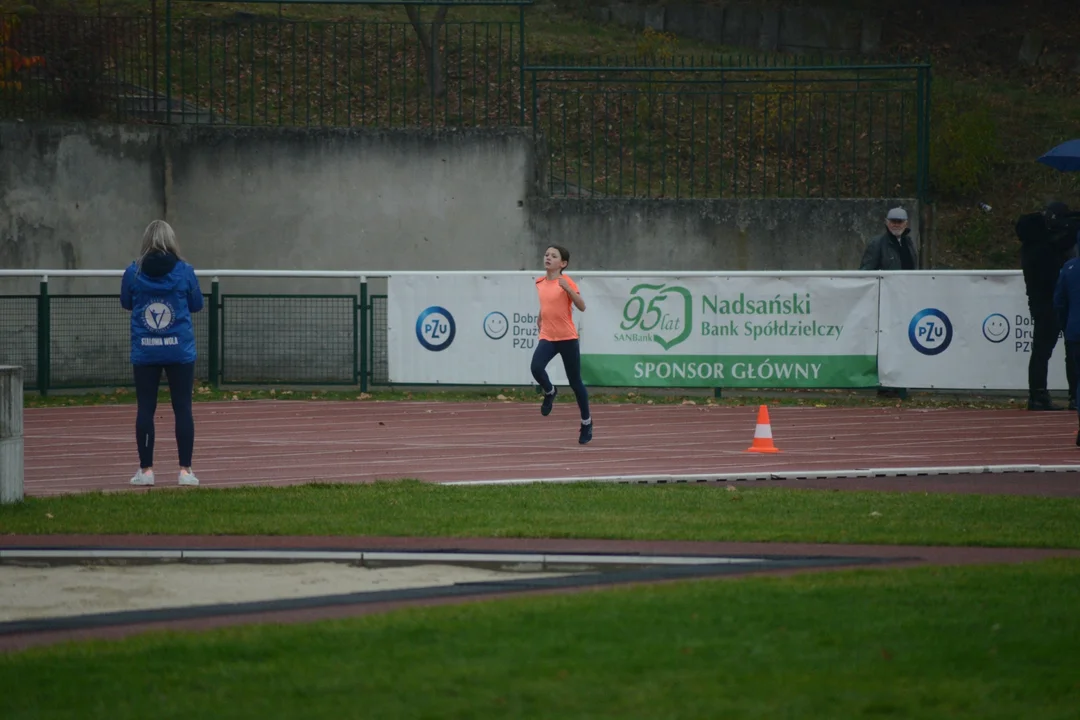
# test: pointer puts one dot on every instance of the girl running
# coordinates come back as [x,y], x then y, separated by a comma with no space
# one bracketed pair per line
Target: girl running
[558,336]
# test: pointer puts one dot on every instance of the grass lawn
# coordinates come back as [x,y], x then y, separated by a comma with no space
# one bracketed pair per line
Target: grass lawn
[688,512]
[960,642]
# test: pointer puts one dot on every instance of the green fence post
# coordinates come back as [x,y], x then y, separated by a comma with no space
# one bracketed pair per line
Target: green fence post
[44,336]
[926,143]
[922,134]
[521,60]
[362,346]
[214,335]
[168,61]
[535,106]
[154,54]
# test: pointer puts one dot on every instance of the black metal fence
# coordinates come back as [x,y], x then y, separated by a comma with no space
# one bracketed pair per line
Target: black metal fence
[71,66]
[724,126]
[343,74]
[258,68]
[67,341]
[722,131]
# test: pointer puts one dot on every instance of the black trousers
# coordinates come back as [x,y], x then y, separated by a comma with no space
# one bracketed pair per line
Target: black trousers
[1045,332]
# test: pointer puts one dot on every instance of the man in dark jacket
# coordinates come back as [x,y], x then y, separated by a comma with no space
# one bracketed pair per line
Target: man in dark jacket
[894,249]
[1047,241]
[1067,309]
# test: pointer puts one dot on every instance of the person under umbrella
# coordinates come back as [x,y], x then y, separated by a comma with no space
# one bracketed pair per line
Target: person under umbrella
[1047,242]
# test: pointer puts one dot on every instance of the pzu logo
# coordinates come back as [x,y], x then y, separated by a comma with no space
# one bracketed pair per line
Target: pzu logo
[435,328]
[930,331]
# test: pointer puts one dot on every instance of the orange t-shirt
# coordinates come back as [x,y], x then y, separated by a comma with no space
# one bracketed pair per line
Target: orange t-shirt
[556,310]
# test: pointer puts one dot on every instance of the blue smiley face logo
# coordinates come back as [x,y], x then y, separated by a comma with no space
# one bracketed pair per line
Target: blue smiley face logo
[496,325]
[995,328]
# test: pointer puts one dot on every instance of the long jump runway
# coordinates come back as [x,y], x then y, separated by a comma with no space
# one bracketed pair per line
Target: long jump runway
[81,449]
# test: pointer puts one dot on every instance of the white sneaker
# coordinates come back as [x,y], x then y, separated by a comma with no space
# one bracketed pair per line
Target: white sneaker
[143,478]
[188,478]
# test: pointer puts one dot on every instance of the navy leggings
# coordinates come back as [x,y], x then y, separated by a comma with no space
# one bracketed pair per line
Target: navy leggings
[181,382]
[545,352]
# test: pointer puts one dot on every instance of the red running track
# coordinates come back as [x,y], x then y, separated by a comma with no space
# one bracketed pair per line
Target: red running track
[286,442]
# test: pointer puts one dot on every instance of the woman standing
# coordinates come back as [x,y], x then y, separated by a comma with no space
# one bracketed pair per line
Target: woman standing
[558,297]
[161,291]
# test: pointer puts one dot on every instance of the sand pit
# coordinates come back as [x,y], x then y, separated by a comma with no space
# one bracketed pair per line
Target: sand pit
[69,590]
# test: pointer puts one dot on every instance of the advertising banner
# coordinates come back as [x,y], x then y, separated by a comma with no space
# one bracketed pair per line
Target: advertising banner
[464,330]
[958,332]
[739,331]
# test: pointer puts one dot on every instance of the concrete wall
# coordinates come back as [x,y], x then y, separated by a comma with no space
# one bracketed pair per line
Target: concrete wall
[79,197]
[76,198]
[268,198]
[286,199]
[763,234]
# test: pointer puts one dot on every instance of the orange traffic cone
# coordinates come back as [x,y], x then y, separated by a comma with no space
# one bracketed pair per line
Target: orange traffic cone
[763,434]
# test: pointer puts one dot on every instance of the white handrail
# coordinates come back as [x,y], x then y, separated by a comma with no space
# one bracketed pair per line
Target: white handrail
[365,274]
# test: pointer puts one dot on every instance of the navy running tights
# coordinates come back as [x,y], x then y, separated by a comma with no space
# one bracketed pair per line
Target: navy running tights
[545,352]
[181,382]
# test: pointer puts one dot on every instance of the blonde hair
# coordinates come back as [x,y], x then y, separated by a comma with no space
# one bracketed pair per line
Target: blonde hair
[159,237]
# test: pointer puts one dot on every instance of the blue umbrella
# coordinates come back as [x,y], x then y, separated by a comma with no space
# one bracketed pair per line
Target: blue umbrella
[1065,157]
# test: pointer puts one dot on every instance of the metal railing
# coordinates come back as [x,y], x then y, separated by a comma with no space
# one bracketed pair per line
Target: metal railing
[69,341]
[720,131]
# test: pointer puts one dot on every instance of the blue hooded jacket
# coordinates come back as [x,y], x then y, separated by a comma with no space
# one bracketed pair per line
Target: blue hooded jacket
[161,297]
[1067,298]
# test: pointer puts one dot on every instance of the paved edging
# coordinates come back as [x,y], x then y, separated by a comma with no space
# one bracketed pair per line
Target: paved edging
[954,553]
[834,474]
[505,559]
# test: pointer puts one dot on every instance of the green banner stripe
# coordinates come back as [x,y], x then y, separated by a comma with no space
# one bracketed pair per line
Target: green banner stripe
[752,371]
